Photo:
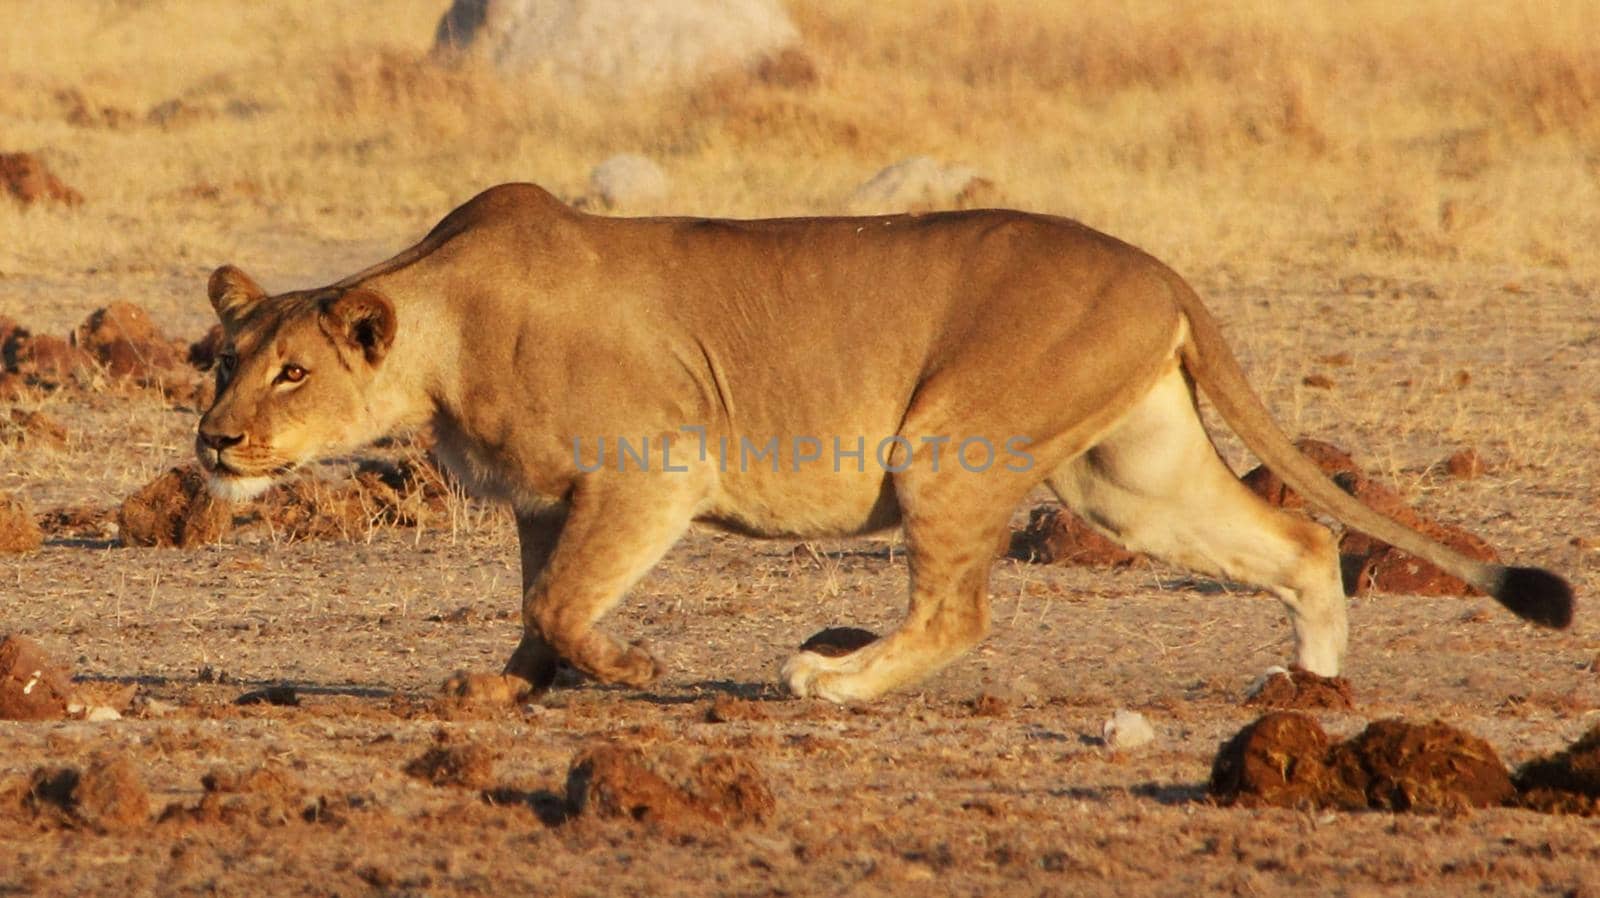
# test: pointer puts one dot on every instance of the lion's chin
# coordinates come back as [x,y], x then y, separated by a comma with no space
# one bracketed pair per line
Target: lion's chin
[235,488]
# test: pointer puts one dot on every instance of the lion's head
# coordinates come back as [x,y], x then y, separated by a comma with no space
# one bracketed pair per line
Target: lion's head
[292,379]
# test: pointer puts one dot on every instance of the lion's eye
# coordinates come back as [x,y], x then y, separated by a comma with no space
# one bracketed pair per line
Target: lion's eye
[225,365]
[291,374]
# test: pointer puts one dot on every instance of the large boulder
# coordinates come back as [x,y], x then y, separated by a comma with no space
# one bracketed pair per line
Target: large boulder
[617,44]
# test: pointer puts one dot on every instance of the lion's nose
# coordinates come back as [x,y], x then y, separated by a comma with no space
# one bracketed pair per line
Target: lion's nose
[220,441]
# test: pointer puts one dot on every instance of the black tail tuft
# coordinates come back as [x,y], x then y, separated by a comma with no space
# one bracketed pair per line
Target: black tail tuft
[1537,595]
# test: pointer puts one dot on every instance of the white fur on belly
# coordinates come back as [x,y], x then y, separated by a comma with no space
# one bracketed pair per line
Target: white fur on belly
[236,489]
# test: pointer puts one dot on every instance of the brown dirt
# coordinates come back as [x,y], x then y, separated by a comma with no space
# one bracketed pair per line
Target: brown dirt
[32,429]
[408,492]
[128,345]
[1054,535]
[32,685]
[1422,767]
[1330,458]
[28,180]
[665,789]
[45,360]
[1401,210]
[1371,565]
[470,766]
[1280,760]
[1379,567]
[106,795]
[727,709]
[1465,464]
[111,793]
[19,532]
[266,795]
[1302,690]
[1567,782]
[175,509]
[79,522]
[835,642]
[1285,760]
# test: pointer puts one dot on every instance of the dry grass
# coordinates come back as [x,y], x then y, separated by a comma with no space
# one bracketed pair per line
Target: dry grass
[1249,140]
[1382,195]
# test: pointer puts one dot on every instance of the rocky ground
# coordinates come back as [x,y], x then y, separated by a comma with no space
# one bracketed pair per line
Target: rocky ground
[247,698]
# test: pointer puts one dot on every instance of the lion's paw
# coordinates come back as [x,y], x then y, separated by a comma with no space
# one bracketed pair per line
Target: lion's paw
[810,675]
[637,667]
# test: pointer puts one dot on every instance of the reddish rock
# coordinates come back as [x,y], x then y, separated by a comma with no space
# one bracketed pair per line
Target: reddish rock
[19,532]
[267,795]
[1374,566]
[110,794]
[32,685]
[469,766]
[1330,458]
[1055,535]
[1284,760]
[26,428]
[1567,782]
[1278,761]
[105,795]
[118,321]
[667,790]
[46,358]
[14,387]
[126,343]
[1299,689]
[175,509]
[1431,767]
[1464,465]
[27,180]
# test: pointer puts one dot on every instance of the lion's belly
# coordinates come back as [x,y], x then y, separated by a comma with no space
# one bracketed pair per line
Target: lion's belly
[804,503]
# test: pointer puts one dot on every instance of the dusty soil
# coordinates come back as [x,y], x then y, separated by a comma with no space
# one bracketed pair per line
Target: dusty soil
[1396,232]
[1299,689]
[278,680]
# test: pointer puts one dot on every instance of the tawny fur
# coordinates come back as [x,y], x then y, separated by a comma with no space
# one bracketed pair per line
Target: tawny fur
[533,338]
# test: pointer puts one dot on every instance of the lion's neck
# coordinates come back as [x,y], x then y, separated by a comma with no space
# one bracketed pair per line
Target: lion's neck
[416,375]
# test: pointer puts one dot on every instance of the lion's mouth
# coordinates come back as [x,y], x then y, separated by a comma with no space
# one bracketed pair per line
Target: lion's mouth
[228,481]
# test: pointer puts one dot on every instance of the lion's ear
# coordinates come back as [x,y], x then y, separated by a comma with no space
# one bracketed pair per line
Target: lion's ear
[233,295]
[364,319]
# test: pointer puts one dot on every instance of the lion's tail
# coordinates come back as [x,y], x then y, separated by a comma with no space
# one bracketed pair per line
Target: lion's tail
[1531,593]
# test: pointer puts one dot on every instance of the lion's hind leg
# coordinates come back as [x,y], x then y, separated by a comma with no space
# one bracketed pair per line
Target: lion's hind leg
[1156,484]
[949,613]
[953,520]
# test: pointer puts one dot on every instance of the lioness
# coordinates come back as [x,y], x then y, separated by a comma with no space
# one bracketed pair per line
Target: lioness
[615,379]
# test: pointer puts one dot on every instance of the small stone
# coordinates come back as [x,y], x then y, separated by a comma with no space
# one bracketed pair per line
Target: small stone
[1465,465]
[1127,730]
[626,180]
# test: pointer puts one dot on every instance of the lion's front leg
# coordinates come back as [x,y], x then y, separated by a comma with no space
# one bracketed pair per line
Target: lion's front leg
[532,666]
[616,527]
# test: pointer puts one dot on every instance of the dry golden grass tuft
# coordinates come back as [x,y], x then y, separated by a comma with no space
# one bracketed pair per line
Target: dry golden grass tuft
[1238,137]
